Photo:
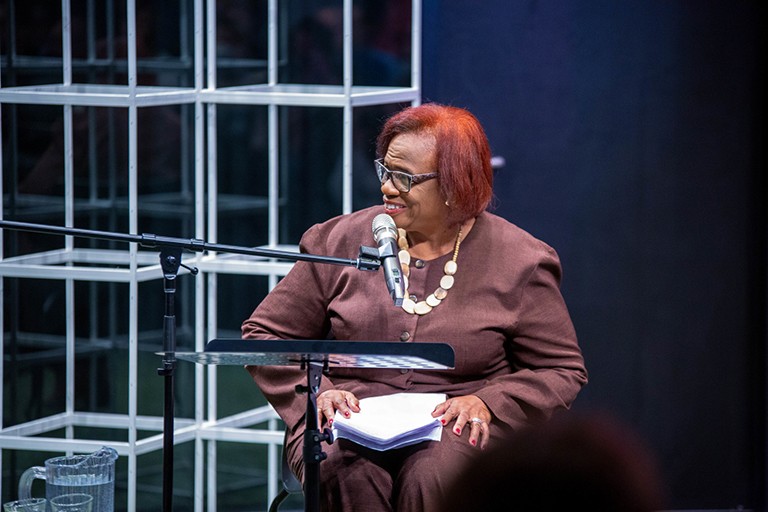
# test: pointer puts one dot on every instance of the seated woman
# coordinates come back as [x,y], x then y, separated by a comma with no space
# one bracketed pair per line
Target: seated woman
[474,281]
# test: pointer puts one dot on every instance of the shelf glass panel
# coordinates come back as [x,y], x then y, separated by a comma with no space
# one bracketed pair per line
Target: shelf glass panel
[97,95]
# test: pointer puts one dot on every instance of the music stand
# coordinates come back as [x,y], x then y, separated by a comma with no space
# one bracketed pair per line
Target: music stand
[316,357]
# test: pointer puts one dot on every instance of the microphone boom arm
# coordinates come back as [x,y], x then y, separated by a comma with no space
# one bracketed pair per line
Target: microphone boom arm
[368,258]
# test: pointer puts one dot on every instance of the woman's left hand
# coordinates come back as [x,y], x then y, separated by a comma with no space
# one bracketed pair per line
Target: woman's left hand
[467,409]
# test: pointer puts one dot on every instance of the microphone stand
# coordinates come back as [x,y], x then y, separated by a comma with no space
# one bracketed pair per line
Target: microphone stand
[170,261]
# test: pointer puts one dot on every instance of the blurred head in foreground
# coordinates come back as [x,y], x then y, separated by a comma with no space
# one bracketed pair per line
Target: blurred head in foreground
[581,463]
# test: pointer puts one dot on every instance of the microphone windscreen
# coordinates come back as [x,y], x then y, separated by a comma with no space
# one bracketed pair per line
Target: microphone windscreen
[384,227]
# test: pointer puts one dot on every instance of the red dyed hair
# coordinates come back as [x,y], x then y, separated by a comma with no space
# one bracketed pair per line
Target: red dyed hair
[461,149]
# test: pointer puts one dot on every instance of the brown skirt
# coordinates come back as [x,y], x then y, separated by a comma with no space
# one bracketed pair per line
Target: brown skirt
[416,477]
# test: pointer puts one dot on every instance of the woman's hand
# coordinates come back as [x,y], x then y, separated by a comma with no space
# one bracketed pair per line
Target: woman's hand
[328,402]
[467,409]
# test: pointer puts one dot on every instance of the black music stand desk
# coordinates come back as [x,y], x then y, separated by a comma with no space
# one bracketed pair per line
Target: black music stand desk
[316,357]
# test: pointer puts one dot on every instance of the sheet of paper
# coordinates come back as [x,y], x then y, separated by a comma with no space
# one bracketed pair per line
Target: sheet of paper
[392,421]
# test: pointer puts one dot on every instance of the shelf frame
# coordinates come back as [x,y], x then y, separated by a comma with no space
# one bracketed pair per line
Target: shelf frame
[132,266]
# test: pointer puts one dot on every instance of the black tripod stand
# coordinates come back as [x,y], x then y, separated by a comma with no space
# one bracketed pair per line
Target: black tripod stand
[170,261]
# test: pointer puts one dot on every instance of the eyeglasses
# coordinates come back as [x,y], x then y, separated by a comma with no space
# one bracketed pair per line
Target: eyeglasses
[401,180]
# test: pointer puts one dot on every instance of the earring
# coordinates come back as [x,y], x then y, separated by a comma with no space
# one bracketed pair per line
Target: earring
[446,203]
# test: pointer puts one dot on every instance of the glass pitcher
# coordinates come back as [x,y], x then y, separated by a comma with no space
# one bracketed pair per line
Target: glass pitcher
[92,474]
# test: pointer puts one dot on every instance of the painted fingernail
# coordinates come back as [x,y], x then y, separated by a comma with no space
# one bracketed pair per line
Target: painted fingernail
[442,421]
[330,422]
[458,431]
[474,443]
[346,414]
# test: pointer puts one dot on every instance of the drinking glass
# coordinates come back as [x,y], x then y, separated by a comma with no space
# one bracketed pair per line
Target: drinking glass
[76,502]
[27,505]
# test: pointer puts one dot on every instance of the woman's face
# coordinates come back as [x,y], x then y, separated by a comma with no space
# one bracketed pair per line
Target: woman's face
[422,211]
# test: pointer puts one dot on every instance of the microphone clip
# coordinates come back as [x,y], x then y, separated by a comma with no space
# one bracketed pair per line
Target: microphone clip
[368,258]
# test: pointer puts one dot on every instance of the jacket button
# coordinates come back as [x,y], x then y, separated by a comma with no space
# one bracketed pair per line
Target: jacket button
[419,263]
[405,336]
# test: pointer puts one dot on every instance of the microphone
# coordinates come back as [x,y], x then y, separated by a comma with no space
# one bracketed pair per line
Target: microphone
[385,234]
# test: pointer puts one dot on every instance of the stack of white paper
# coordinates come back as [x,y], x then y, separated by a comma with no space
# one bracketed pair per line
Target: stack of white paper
[392,421]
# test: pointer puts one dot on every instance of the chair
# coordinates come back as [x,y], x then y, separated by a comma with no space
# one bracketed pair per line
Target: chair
[291,484]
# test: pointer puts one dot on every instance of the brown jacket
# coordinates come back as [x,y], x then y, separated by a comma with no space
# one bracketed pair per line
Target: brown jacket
[505,318]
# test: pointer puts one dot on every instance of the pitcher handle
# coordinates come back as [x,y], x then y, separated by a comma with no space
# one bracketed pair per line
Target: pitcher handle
[25,482]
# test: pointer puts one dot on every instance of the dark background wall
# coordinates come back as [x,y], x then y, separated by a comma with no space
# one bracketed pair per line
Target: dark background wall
[632,133]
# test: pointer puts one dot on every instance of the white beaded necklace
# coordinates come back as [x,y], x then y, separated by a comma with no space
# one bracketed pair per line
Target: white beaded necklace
[446,282]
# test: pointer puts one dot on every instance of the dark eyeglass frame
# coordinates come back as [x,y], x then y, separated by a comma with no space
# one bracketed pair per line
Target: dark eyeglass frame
[403,181]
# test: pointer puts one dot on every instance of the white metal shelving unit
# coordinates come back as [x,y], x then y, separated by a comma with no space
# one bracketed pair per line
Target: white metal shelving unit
[134,266]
